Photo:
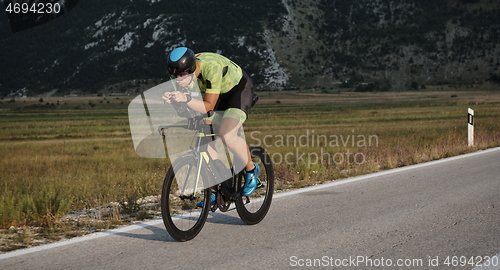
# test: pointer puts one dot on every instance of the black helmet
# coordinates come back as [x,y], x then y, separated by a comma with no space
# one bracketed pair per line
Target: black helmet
[181,60]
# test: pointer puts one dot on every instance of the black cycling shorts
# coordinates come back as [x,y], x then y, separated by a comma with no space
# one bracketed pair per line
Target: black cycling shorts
[239,97]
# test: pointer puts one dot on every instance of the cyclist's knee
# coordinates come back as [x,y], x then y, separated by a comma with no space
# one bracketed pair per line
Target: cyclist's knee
[229,138]
[228,130]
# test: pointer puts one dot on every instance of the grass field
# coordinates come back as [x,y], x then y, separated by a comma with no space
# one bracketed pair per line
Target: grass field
[69,154]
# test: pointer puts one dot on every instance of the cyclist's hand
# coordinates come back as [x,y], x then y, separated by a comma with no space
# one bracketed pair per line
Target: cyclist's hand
[167,97]
[175,96]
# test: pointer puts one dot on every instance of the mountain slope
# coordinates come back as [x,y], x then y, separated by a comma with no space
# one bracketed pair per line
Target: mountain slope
[282,44]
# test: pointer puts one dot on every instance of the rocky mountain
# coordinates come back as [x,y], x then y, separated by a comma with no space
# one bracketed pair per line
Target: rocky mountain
[383,44]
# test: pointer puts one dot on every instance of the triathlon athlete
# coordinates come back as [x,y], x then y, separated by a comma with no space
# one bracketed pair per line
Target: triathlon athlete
[227,89]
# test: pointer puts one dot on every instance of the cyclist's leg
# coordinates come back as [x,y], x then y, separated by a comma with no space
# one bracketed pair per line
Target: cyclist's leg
[230,125]
[231,122]
[215,120]
[235,106]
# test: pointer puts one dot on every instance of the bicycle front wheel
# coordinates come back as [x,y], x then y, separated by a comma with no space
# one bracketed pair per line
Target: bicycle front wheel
[252,209]
[182,190]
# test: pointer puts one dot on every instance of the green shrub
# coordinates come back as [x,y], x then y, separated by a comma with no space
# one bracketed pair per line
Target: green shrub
[45,210]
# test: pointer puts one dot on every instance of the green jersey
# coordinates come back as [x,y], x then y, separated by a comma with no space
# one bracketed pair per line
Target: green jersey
[218,74]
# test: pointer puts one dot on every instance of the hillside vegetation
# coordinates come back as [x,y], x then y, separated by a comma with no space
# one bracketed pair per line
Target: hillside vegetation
[289,44]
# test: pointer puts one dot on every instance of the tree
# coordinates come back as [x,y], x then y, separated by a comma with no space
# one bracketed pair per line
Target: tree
[414,86]
[495,78]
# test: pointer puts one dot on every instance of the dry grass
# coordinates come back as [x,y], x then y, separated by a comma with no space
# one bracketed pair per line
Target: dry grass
[411,127]
[57,159]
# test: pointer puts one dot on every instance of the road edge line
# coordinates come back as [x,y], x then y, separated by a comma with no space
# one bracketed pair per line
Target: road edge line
[154,222]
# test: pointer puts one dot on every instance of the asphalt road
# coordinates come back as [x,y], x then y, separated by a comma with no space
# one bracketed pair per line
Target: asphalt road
[429,216]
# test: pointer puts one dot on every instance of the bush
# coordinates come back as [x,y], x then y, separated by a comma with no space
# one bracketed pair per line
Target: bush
[48,208]
[414,86]
[43,211]
[379,86]
[495,78]
[365,87]
[8,212]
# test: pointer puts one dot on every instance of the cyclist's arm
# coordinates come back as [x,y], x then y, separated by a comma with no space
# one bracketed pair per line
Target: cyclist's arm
[205,105]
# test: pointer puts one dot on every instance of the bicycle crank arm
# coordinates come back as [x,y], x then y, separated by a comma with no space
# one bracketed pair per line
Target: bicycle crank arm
[231,196]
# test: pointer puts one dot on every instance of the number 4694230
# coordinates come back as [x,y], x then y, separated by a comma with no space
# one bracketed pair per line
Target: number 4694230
[39,8]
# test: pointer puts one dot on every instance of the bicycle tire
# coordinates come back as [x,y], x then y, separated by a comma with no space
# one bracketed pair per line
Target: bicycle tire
[182,218]
[260,201]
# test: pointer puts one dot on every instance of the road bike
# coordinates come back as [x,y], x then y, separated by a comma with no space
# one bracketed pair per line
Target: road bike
[189,181]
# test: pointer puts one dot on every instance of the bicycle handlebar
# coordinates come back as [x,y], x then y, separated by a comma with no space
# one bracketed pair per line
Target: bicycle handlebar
[193,124]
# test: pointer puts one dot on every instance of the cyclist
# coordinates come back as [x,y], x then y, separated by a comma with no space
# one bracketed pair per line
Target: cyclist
[227,88]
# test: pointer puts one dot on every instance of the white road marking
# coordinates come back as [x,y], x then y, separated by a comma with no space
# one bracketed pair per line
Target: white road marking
[382,173]
[80,239]
[276,196]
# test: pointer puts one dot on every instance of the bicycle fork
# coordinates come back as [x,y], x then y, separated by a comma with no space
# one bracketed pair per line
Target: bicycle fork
[193,195]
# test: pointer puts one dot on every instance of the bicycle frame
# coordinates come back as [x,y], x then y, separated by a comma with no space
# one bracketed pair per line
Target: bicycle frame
[202,157]
[178,198]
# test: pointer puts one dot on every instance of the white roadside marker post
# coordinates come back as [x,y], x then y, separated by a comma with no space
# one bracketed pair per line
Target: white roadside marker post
[471,127]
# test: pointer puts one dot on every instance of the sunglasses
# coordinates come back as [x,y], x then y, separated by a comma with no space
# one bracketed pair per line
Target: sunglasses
[181,76]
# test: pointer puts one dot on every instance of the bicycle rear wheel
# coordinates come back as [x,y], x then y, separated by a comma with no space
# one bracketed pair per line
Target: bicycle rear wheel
[182,218]
[253,209]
